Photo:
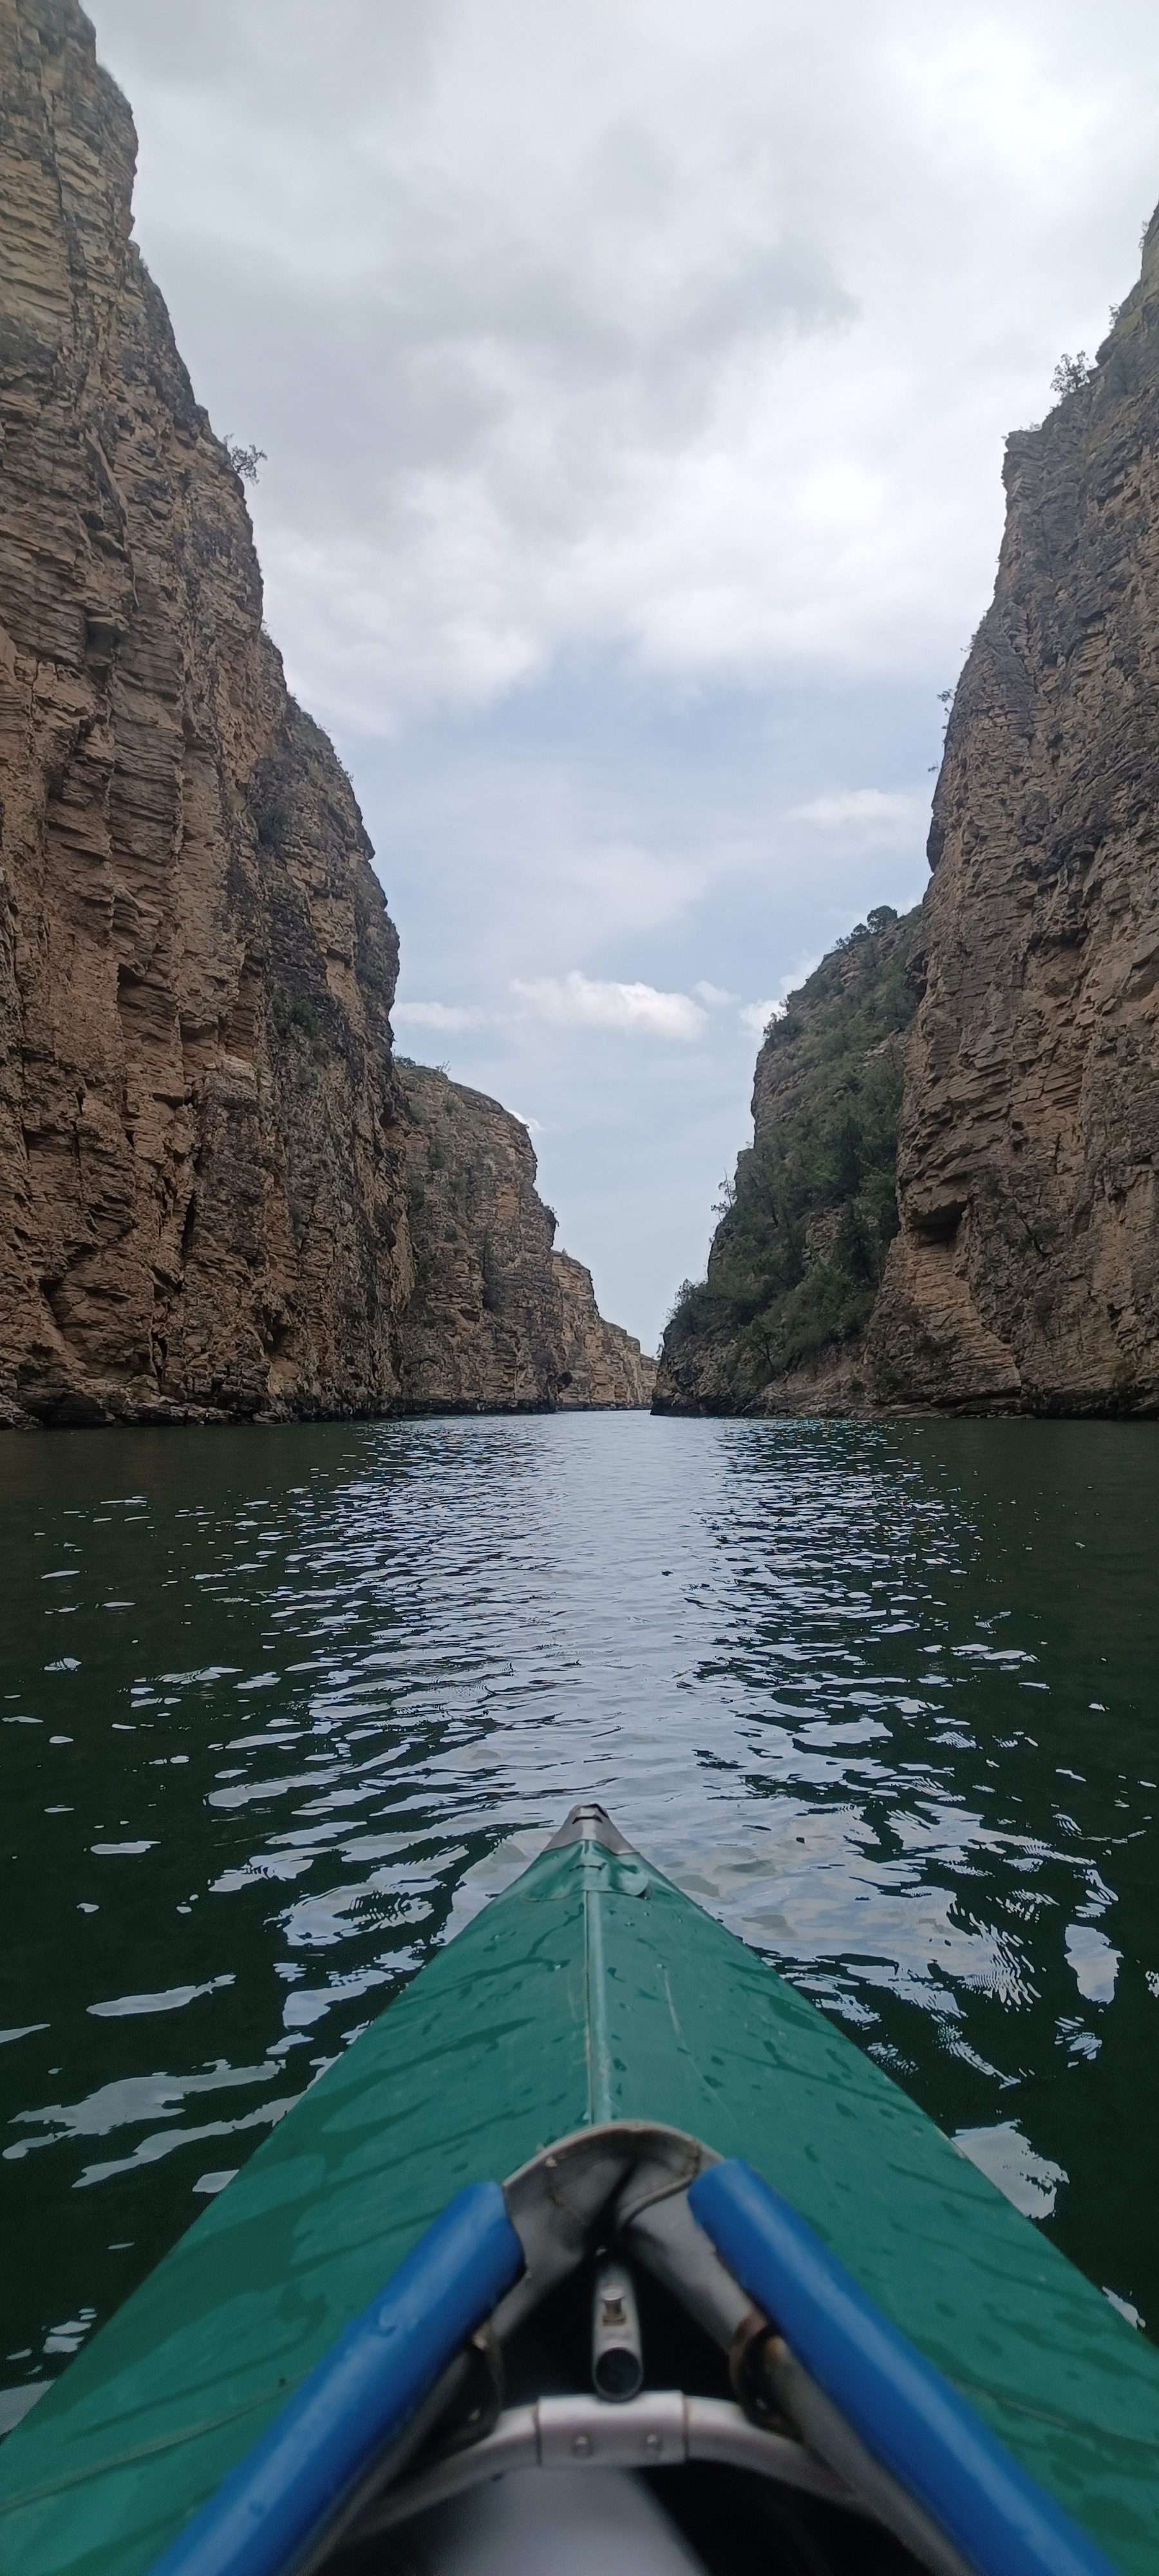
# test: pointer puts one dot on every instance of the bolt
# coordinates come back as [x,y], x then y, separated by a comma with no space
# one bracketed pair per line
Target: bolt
[582,2446]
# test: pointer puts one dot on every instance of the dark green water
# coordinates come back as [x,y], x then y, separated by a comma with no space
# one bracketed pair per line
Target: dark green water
[276,1701]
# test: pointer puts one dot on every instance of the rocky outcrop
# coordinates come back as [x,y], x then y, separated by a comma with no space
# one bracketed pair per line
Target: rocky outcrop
[201,1155]
[215,1201]
[482,1326]
[497,1321]
[778,1324]
[603,1366]
[1026,1271]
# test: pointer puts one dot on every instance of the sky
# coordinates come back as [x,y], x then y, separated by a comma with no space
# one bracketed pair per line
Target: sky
[633,383]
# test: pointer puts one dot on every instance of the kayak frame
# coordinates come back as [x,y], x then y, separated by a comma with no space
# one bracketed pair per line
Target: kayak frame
[873,2426]
[662,2429]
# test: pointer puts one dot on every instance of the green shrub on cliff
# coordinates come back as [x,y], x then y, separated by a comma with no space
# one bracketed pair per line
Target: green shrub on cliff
[798,1253]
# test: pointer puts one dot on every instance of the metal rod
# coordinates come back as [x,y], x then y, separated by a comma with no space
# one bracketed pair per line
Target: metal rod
[617,2358]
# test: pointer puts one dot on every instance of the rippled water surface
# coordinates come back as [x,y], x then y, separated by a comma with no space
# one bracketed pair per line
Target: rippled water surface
[282,1705]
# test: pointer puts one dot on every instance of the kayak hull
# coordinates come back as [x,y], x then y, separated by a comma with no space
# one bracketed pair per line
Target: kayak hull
[592,1990]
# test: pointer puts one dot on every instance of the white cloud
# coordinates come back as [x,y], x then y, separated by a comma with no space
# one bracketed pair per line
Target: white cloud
[451,1016]
[715,995]
[798,975]
[757,1015]
[869,811]
[678,334]
[576,1001]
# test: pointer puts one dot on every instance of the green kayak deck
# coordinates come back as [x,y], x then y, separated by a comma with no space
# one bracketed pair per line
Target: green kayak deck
[591,1990]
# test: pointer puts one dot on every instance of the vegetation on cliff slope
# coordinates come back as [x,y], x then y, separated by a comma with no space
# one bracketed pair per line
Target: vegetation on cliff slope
[798,1254]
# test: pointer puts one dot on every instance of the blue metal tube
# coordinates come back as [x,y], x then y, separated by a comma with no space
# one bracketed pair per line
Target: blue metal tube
[891,2396]
[356,2398]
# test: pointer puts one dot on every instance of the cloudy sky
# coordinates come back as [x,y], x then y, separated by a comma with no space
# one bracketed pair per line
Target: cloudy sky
[633,381]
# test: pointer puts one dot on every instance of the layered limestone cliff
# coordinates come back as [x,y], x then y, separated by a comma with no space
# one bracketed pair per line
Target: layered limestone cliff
[498,1321]
[201,1159]
[603,1366]
[778,1324]
[1026,1271]
[207,1163]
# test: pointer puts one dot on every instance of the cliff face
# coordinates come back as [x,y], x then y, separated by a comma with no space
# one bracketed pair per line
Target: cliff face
[482,1327]
[1026,1271]
[497,1320]
[215,1197]
[603,1366]
[200,1148]
[778,1324]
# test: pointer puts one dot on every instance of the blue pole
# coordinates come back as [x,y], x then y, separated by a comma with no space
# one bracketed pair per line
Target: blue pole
[891,2396]
[356,2398]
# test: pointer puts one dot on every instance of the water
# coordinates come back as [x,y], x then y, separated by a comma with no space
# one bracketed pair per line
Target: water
[280,1706]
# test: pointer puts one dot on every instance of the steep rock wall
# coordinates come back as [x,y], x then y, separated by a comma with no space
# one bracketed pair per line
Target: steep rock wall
[498,1321]
[603,1366]
[777,1326]
[217,1199]
[482,1327]
[201,1147]
[1026,1271]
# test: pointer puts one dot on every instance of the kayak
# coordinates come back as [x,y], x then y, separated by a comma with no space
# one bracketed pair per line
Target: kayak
[600,2195]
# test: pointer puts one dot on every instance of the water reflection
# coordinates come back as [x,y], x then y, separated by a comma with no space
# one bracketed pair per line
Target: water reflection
[881,1698]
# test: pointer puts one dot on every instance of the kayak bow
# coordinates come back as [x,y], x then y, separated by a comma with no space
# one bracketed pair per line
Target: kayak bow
[619,2056]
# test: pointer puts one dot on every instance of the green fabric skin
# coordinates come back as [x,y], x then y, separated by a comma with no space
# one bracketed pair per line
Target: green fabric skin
[592,1989]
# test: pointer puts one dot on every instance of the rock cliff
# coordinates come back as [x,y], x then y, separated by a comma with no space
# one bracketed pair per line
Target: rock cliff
[1025,1274]
[200,1145]
[498,1321]
[1024,1270]
[603,1366]
[778,1324]
[207,1162]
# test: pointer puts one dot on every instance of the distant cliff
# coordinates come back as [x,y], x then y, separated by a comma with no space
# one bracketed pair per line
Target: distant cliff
[208,1166]
[603,1366]
[779,1322]
[1025,1274]
[497,1321]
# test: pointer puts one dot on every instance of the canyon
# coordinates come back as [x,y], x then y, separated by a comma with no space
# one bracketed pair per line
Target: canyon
[216,1193]
[223,1195]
